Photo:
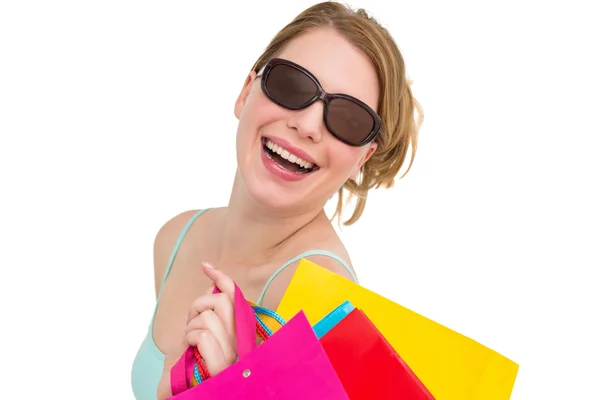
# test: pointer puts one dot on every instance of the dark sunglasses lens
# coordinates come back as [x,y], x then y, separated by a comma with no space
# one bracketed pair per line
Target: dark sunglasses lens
[349,121]
[289,87]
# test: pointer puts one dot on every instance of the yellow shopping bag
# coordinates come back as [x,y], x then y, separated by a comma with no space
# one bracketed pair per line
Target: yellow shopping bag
[452,366]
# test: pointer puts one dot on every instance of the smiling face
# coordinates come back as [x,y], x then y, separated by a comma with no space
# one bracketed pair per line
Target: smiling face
[287,158]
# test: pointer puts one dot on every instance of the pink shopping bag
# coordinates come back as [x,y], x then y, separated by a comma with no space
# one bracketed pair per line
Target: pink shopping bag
[291,364]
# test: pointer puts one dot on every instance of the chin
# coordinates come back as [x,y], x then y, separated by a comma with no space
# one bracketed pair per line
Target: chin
[278,202]
[277,182]
[279,197]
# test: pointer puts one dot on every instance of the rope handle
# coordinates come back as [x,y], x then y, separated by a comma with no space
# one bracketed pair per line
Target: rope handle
[262,330]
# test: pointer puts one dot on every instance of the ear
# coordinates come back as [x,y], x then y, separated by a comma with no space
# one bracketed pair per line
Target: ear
[363,160]
[243,96]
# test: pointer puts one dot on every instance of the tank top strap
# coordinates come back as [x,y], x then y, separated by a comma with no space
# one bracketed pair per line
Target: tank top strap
[184,231]
[325,253]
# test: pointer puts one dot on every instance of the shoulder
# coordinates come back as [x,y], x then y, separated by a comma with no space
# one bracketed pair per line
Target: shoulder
[331,255]
[174,225]
[170,230]
[322,245]
[165,241]
[334,259]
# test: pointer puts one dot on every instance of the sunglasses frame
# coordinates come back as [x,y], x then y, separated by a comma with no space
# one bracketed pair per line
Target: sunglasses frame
[320,94]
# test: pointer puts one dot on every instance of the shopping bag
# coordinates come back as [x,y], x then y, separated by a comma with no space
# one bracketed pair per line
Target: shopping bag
[290,364]
[366,364]
[333,318]
[452,366]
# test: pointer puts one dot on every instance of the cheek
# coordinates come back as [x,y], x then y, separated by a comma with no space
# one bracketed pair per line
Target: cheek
[345,158]
[258,112]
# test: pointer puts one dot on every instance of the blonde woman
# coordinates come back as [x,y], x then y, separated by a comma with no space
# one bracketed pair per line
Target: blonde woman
[326,109]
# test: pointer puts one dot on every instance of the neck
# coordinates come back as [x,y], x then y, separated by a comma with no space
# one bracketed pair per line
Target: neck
[251,232]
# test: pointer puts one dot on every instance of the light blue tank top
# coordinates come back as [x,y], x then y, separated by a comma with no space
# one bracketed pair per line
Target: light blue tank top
[148,363]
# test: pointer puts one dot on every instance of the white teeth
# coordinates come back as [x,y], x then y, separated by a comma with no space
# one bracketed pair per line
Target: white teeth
[287,156]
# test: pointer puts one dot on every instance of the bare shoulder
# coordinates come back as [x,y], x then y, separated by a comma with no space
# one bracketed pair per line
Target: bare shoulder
[334,264]
[345,269]
[321,254]
[165,241]
[324,237]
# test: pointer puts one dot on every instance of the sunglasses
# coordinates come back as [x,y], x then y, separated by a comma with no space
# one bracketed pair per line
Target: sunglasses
[293,87]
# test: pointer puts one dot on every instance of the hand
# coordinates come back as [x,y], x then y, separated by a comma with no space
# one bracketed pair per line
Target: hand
[210,327]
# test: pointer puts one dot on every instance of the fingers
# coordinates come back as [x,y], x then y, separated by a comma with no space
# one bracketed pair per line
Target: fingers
[220,304]
[210,289]
[209,321]
[209,348]
[210,327]
[215,313]
[222,281]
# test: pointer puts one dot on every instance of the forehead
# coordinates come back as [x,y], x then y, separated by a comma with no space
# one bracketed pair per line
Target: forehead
[339,66]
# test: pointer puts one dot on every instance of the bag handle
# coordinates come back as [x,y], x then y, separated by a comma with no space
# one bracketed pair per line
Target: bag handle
[180,376]
[245,323]
[269,313]
[245,329]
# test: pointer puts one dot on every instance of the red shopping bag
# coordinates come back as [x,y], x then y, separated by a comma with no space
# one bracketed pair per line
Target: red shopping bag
[291,364]
[367,365]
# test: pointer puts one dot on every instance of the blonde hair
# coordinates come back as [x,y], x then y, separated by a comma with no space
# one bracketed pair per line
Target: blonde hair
[400,113]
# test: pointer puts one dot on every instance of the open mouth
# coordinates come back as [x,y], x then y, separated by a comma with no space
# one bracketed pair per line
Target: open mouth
[286,160]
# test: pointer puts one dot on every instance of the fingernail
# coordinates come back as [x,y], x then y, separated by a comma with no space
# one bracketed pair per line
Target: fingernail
[207,265]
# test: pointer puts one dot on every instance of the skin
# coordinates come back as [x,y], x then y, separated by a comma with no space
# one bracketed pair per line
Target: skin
[267,221]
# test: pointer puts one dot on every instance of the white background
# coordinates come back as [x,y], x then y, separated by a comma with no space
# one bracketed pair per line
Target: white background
[117,115]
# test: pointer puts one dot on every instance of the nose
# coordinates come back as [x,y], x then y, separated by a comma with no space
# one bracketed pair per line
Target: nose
[308,122]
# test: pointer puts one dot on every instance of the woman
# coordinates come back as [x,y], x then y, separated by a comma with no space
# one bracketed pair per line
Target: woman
[296,147]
